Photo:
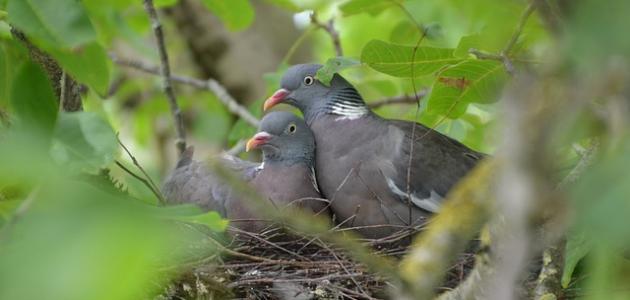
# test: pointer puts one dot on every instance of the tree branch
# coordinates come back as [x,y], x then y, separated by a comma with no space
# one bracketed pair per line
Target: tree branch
[165,71]
[210,85]
[460,219]
[67,90]
[329,27]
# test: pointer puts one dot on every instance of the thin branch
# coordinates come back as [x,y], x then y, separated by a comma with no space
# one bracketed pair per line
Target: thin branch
[210,85]
[403,99]
[329,27]
[504,55]
[165,71]
[136,176]
[237,148]
[519,28]
[149,182]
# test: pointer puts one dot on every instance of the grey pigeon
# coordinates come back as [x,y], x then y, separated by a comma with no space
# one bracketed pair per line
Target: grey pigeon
[285,176]
[362,159]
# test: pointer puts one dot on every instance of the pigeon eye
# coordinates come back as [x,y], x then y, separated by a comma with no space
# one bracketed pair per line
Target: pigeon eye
[292,128]
[308,80]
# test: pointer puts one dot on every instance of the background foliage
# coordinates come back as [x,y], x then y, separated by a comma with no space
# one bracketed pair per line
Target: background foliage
[68,232]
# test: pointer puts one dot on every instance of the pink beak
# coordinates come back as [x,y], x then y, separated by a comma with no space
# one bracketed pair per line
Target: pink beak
[276,98]
[257,140]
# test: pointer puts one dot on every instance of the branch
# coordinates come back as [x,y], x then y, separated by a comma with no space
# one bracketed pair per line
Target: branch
[403,99]
[210,85]
[67,90]
[147,180]
[460,219]
[330,29]
[165,71]
[504,56]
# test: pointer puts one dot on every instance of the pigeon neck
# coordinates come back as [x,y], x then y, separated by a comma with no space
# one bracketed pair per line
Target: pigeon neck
[346,103]
[276,159]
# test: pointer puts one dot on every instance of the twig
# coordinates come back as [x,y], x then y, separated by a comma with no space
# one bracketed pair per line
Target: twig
[156,193]
[504,55]
[211,85]
[329,27]
[149,181]
[587,159]
[165,71]
[403,99]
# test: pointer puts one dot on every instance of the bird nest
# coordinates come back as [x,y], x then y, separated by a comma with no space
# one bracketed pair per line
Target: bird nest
[274,265]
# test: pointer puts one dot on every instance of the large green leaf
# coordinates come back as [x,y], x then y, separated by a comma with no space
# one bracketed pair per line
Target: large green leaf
[472,81]
[88,65]
[84,141]
[372,7]
[59,23]
[33,99]
[396,60]
[236,14]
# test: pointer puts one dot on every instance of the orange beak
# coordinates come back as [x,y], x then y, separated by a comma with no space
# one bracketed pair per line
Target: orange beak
[257,140]
[276,98]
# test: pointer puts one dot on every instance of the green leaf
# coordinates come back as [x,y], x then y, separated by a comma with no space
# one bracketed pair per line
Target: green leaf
[465,43]
[332,66]
[396,60]
[286,4]
[164,3]
[33,99]
[472,81]
[405,32]
[84,141]
[59,23]
[576,248]
[236,14]
[373,7]
[3,15]
[211,219]
[88,65]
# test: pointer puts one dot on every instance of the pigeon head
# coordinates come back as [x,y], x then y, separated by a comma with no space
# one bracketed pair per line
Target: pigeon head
[283,137]
[301,89]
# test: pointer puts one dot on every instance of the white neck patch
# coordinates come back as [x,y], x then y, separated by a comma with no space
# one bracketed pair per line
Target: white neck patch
[348,110]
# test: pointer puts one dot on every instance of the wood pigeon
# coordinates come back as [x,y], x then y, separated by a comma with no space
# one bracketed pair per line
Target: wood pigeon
[285,176]
[362,159]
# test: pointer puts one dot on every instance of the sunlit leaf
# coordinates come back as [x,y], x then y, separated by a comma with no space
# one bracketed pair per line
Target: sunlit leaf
[332,66]
[84,141]
[396,60]
[372,7]
[59,23]
[236,14]
[472,81]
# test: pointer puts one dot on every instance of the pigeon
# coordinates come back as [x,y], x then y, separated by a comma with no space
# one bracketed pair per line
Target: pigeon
[285,176]
[362,159]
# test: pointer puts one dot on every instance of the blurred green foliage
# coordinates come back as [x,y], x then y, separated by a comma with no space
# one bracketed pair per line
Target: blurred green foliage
[69,232]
